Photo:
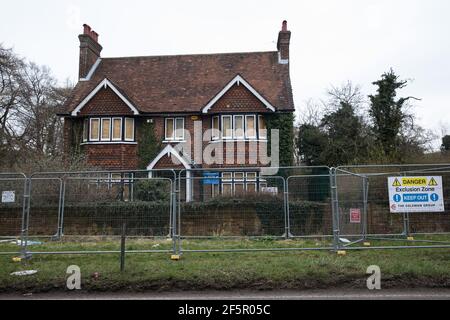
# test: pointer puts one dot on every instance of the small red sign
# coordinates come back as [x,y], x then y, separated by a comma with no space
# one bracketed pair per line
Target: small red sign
[355,215]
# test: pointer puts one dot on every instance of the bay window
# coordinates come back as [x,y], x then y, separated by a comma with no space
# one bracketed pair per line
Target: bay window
[108,130]
[239,127]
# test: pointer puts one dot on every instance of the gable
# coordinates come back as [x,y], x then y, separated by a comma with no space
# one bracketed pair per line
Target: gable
[106,102]
[98,100]
[168,158]
[238,99]
[239,90]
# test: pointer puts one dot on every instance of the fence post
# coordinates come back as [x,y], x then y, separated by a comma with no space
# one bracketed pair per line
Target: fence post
[287,214]
[122,247]
[25,219]
[365,206]
[335,208]
[58,234]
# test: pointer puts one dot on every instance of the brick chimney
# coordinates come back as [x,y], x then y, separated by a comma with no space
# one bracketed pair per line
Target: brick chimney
[90,50]
[284,39]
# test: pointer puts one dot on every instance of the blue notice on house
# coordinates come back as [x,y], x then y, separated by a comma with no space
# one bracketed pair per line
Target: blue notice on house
[211,178]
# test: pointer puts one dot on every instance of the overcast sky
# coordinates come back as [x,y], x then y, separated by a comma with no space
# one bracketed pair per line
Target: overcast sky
[332,40]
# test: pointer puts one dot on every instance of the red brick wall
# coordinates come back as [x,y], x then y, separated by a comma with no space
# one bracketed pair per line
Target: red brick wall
[112,156]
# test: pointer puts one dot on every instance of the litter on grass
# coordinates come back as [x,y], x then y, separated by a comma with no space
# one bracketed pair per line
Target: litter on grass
[24,273]
[29,243]
[343,240]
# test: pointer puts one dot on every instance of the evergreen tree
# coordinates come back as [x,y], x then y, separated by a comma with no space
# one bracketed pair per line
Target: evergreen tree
[388,115]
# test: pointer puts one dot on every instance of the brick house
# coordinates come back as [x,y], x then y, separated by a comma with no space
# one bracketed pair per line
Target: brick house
[229,95]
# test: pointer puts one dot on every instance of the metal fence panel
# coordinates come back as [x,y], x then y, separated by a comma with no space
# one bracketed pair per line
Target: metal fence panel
[309,203]
[12,190]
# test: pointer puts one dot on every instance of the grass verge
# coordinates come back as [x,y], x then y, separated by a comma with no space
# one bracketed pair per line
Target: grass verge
[424,268]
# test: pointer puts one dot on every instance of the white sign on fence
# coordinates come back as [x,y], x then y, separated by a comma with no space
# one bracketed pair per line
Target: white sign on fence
[8,196]
[416,194]
[270,190]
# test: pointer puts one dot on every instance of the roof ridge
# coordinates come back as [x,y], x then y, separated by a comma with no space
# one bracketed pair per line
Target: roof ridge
[189,55]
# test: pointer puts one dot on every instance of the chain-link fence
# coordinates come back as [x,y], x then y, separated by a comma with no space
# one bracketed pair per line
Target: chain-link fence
[226,209]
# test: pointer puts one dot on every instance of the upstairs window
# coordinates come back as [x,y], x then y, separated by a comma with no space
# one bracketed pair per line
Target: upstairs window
[227,127]
[215,128]
[174,130]
[129,129]
[239,127]
[106,130]
[85,130]
[262,128]
[250,124]
[117,129]
[94,130]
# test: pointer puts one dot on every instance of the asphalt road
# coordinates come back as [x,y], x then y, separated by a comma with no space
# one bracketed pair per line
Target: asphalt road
[410,294]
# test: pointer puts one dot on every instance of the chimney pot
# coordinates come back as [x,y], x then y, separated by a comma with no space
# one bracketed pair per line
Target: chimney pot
[284,27]
[95,36]
[87,29]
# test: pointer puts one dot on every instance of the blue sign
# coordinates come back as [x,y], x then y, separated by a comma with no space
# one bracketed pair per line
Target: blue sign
[416,197]
[211,178]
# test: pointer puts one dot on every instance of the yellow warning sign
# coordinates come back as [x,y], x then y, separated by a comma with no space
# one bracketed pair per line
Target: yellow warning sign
[414,182]
[433,183]
[396,183]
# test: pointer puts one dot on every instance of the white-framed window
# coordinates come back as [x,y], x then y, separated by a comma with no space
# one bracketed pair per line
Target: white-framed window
[251,186]
[174,129]
[179,129]
[94,129]
[227,127]
[250,127]
[129,129]
[238,183]
[262,128]
[106,129]
[215,126]
[239,127]
[85,130]
[117,129]
[227,183]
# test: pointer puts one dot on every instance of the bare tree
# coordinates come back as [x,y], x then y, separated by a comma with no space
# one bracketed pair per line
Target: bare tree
[11,68]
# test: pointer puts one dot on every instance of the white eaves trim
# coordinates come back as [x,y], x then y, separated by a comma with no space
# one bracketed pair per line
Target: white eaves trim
[105,83]
[165,152]
[91,72]
[238,80]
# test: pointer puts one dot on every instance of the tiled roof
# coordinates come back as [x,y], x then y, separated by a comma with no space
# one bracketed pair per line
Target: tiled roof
[186,83]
